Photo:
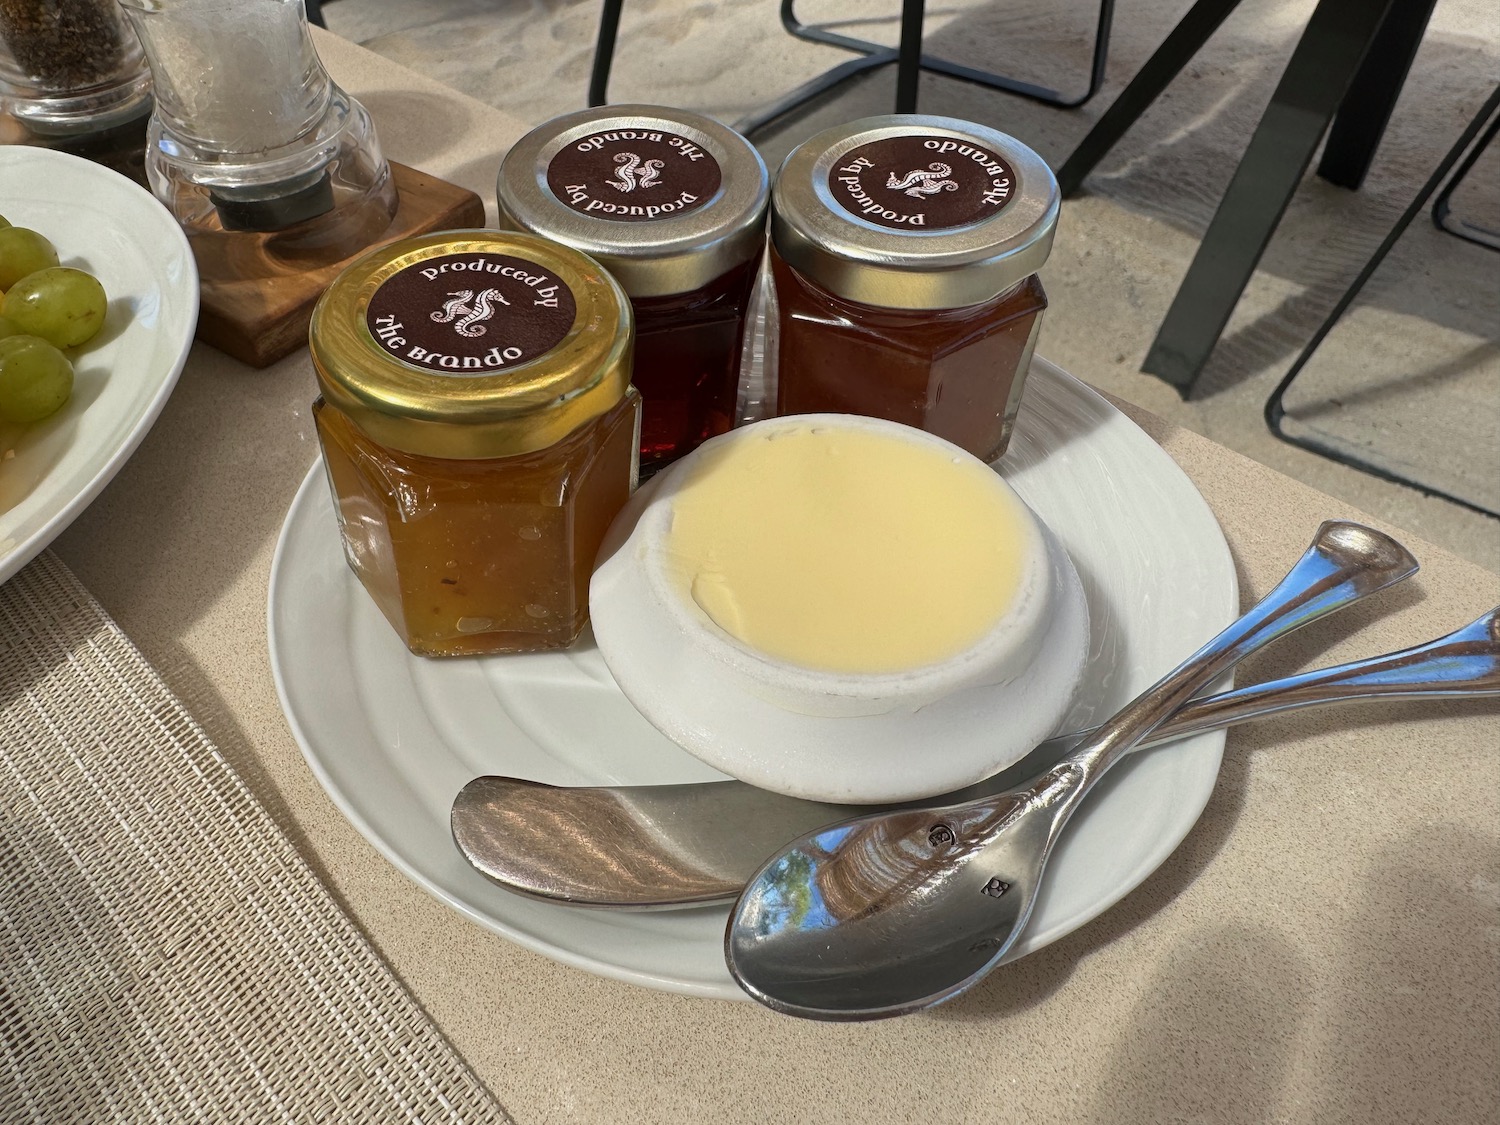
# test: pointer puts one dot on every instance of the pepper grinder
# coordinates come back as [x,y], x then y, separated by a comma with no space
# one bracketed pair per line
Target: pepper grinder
[70,68]
[251,135]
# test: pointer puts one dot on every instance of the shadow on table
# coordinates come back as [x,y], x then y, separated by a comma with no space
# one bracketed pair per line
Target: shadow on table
[1217,1037]
[1393,1031]
[1408,1028]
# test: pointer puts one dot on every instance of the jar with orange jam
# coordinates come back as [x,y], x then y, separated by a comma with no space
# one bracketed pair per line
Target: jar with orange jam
[479,431]
[904,252]
[673,204]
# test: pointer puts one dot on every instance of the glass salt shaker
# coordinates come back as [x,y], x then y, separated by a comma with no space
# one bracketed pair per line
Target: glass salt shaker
[250,134]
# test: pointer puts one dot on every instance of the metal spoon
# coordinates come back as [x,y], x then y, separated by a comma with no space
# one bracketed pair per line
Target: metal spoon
[896,912]
[660,846]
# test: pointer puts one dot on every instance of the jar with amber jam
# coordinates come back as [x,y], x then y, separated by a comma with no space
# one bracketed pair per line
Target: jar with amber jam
[479,431]
[673,204]
[904,252]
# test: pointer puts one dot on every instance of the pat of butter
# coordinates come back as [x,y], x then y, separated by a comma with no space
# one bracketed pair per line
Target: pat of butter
[848,551]
[840,608]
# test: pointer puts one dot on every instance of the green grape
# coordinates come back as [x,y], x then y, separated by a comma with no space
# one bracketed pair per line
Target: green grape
[35,379]
[4,222]
[9,328]
[23,251]
[62,305]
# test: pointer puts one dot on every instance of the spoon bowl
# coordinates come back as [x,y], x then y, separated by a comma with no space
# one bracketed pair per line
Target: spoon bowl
[878,882]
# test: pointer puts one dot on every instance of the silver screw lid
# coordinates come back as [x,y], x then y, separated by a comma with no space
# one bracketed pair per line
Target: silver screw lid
[664,199]
[912,211]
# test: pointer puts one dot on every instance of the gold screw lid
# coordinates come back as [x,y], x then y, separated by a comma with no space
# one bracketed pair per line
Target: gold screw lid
[666,200]
[912,211]
[472,344]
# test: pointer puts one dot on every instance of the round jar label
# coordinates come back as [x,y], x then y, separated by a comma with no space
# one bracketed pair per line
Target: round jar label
[634,175]
[470,314]
[918,182]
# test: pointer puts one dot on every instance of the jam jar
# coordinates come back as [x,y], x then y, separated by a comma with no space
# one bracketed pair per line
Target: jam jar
[673,204]
[904,252]
[479,431]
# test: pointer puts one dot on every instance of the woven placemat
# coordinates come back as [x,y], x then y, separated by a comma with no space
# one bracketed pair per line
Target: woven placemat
[165,954]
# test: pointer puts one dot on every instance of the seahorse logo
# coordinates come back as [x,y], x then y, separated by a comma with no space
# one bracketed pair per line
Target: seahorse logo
[632,173]
[917,183]
[458,308]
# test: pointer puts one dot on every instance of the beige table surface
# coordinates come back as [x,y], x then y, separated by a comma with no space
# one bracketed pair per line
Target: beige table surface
[1324,946]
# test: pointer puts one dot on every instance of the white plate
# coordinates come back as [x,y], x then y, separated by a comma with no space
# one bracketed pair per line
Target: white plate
[104,223]
[393,737]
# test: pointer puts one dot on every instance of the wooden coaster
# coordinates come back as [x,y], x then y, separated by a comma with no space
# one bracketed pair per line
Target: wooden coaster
[257,295]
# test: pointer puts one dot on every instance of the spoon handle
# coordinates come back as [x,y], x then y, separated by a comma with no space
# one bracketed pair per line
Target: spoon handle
[1346,561]
[1465,662]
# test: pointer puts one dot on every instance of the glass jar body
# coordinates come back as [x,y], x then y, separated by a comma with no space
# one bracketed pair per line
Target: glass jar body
[687,363]
[956,373]
[70,66]
[470,557]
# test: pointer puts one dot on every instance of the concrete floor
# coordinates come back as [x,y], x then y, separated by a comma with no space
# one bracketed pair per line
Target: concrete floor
[1409,379]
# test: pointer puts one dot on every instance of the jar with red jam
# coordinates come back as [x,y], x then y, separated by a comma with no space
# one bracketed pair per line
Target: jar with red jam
[904,252]
[479,432]
[673,205]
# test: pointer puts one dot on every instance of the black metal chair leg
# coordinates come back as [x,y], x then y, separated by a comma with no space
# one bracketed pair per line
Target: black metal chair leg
[949,69]
[1442,215]
[1275,411]
[908,57]
[604,51]
[1366,109]
[1184,41]
[814,88]
[1314,83]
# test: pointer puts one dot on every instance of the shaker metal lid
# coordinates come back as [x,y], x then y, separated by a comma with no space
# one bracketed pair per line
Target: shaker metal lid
[914,211]
[472,344]
[665,200]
